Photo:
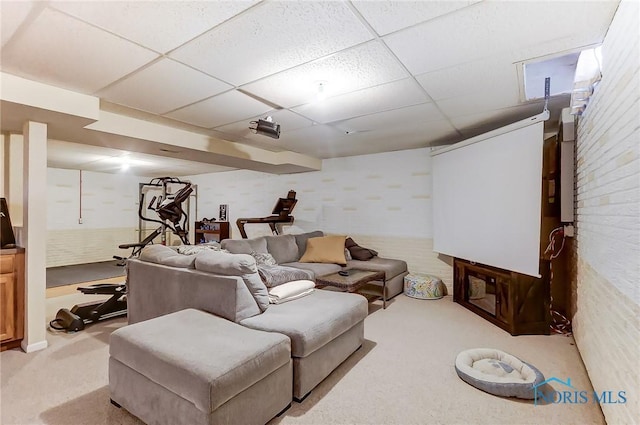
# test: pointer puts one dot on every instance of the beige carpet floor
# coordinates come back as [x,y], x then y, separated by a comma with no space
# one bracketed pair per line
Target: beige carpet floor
[403,374]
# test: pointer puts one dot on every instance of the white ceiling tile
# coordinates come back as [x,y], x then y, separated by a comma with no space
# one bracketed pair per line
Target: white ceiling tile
[489,28]
[316,140]
[12,15]
[223,109]
[423,113]
[408,136]
[363,66]
[162,87]
[486,99]
[71,54]
[389,16]
[272,37]
[366,101]
[460,80]
[161,26]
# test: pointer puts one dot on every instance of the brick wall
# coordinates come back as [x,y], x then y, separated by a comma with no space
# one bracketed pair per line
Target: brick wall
[607,250]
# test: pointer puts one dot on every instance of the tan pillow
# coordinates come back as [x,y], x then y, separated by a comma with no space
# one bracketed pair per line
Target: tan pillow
[325,249]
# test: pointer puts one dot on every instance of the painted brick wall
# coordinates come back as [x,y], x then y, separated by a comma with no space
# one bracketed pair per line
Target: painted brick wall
[382,200]
[109,215]
[607,254]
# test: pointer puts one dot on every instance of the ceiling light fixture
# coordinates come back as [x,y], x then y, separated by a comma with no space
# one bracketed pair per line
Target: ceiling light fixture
[266,127]
[322,90]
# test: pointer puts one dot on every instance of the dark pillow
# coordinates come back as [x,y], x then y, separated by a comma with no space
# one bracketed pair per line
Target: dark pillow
[358,252]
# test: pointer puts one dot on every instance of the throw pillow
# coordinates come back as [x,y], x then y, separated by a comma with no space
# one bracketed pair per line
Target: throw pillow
[301,240]
[264,259]
[358,252]
[325,249]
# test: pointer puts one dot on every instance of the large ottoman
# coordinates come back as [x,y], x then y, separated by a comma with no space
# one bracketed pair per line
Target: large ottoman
[191,367]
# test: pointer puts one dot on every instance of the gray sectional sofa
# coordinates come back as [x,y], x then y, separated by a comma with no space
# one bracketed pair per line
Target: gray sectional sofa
[288,249]
[167,290]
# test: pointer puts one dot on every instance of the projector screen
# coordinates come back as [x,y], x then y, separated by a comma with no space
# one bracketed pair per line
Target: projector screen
[487,198]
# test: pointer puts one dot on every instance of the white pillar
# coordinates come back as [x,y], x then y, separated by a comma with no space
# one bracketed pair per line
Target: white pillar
[34,235]
[4,165]
[14,151]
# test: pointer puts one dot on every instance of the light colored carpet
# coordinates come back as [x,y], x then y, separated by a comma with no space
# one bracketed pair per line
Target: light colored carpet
[403,374]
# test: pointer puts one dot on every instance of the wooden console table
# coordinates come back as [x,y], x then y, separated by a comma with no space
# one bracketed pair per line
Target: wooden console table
[517,303]
[11,297]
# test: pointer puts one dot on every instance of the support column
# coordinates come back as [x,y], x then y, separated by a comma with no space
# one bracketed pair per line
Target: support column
[15,175]
[34,237]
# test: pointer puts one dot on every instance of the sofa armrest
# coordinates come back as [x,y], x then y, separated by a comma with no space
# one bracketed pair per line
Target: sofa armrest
[155,290]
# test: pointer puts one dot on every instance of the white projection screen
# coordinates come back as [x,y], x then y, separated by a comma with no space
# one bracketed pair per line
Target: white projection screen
[487,199]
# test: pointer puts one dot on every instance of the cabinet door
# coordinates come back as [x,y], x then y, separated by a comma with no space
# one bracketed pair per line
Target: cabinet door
[7,307]
[503,300]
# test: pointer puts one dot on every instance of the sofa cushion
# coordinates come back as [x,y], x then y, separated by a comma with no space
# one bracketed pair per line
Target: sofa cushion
[227,264]
[161,254]
[242,265]
[245,246]
[390,266]
[301,241]
[283,248]
[312,321]
[318,269]
[325,249]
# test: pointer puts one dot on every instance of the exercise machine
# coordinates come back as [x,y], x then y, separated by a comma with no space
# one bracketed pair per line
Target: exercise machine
[172,216]
[280,215]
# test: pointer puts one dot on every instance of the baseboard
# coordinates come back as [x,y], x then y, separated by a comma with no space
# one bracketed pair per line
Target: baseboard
[30,348]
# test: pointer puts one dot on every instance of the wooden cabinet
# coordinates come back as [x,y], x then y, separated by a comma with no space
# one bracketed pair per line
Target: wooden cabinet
[11,297]
[517,303]
[211,231]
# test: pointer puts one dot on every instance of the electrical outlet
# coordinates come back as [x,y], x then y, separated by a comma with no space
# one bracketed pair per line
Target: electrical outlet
[569,230]
[80,220]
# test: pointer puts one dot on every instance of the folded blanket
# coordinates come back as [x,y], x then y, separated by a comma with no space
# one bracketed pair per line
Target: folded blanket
[294,297]
[290,291]
[277,275]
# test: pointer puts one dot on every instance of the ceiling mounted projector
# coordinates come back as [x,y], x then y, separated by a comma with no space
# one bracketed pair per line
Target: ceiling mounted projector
[266,127]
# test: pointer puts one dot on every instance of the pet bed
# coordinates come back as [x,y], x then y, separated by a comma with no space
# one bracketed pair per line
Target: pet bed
[498,373]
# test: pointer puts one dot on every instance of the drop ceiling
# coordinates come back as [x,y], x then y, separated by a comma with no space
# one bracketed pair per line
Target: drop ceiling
[397,74]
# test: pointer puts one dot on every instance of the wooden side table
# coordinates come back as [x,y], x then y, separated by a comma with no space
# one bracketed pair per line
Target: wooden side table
[359,281]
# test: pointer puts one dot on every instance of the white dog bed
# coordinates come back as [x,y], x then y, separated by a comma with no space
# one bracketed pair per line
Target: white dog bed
[498,373]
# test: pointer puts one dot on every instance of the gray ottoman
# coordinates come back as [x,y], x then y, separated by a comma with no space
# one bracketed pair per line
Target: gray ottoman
[191,367]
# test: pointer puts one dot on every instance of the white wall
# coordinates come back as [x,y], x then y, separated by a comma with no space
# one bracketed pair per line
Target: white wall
[607,293]
[109,215]
[382,200]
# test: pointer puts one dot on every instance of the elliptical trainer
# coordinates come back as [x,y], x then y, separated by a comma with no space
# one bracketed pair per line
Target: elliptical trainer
[169,208]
